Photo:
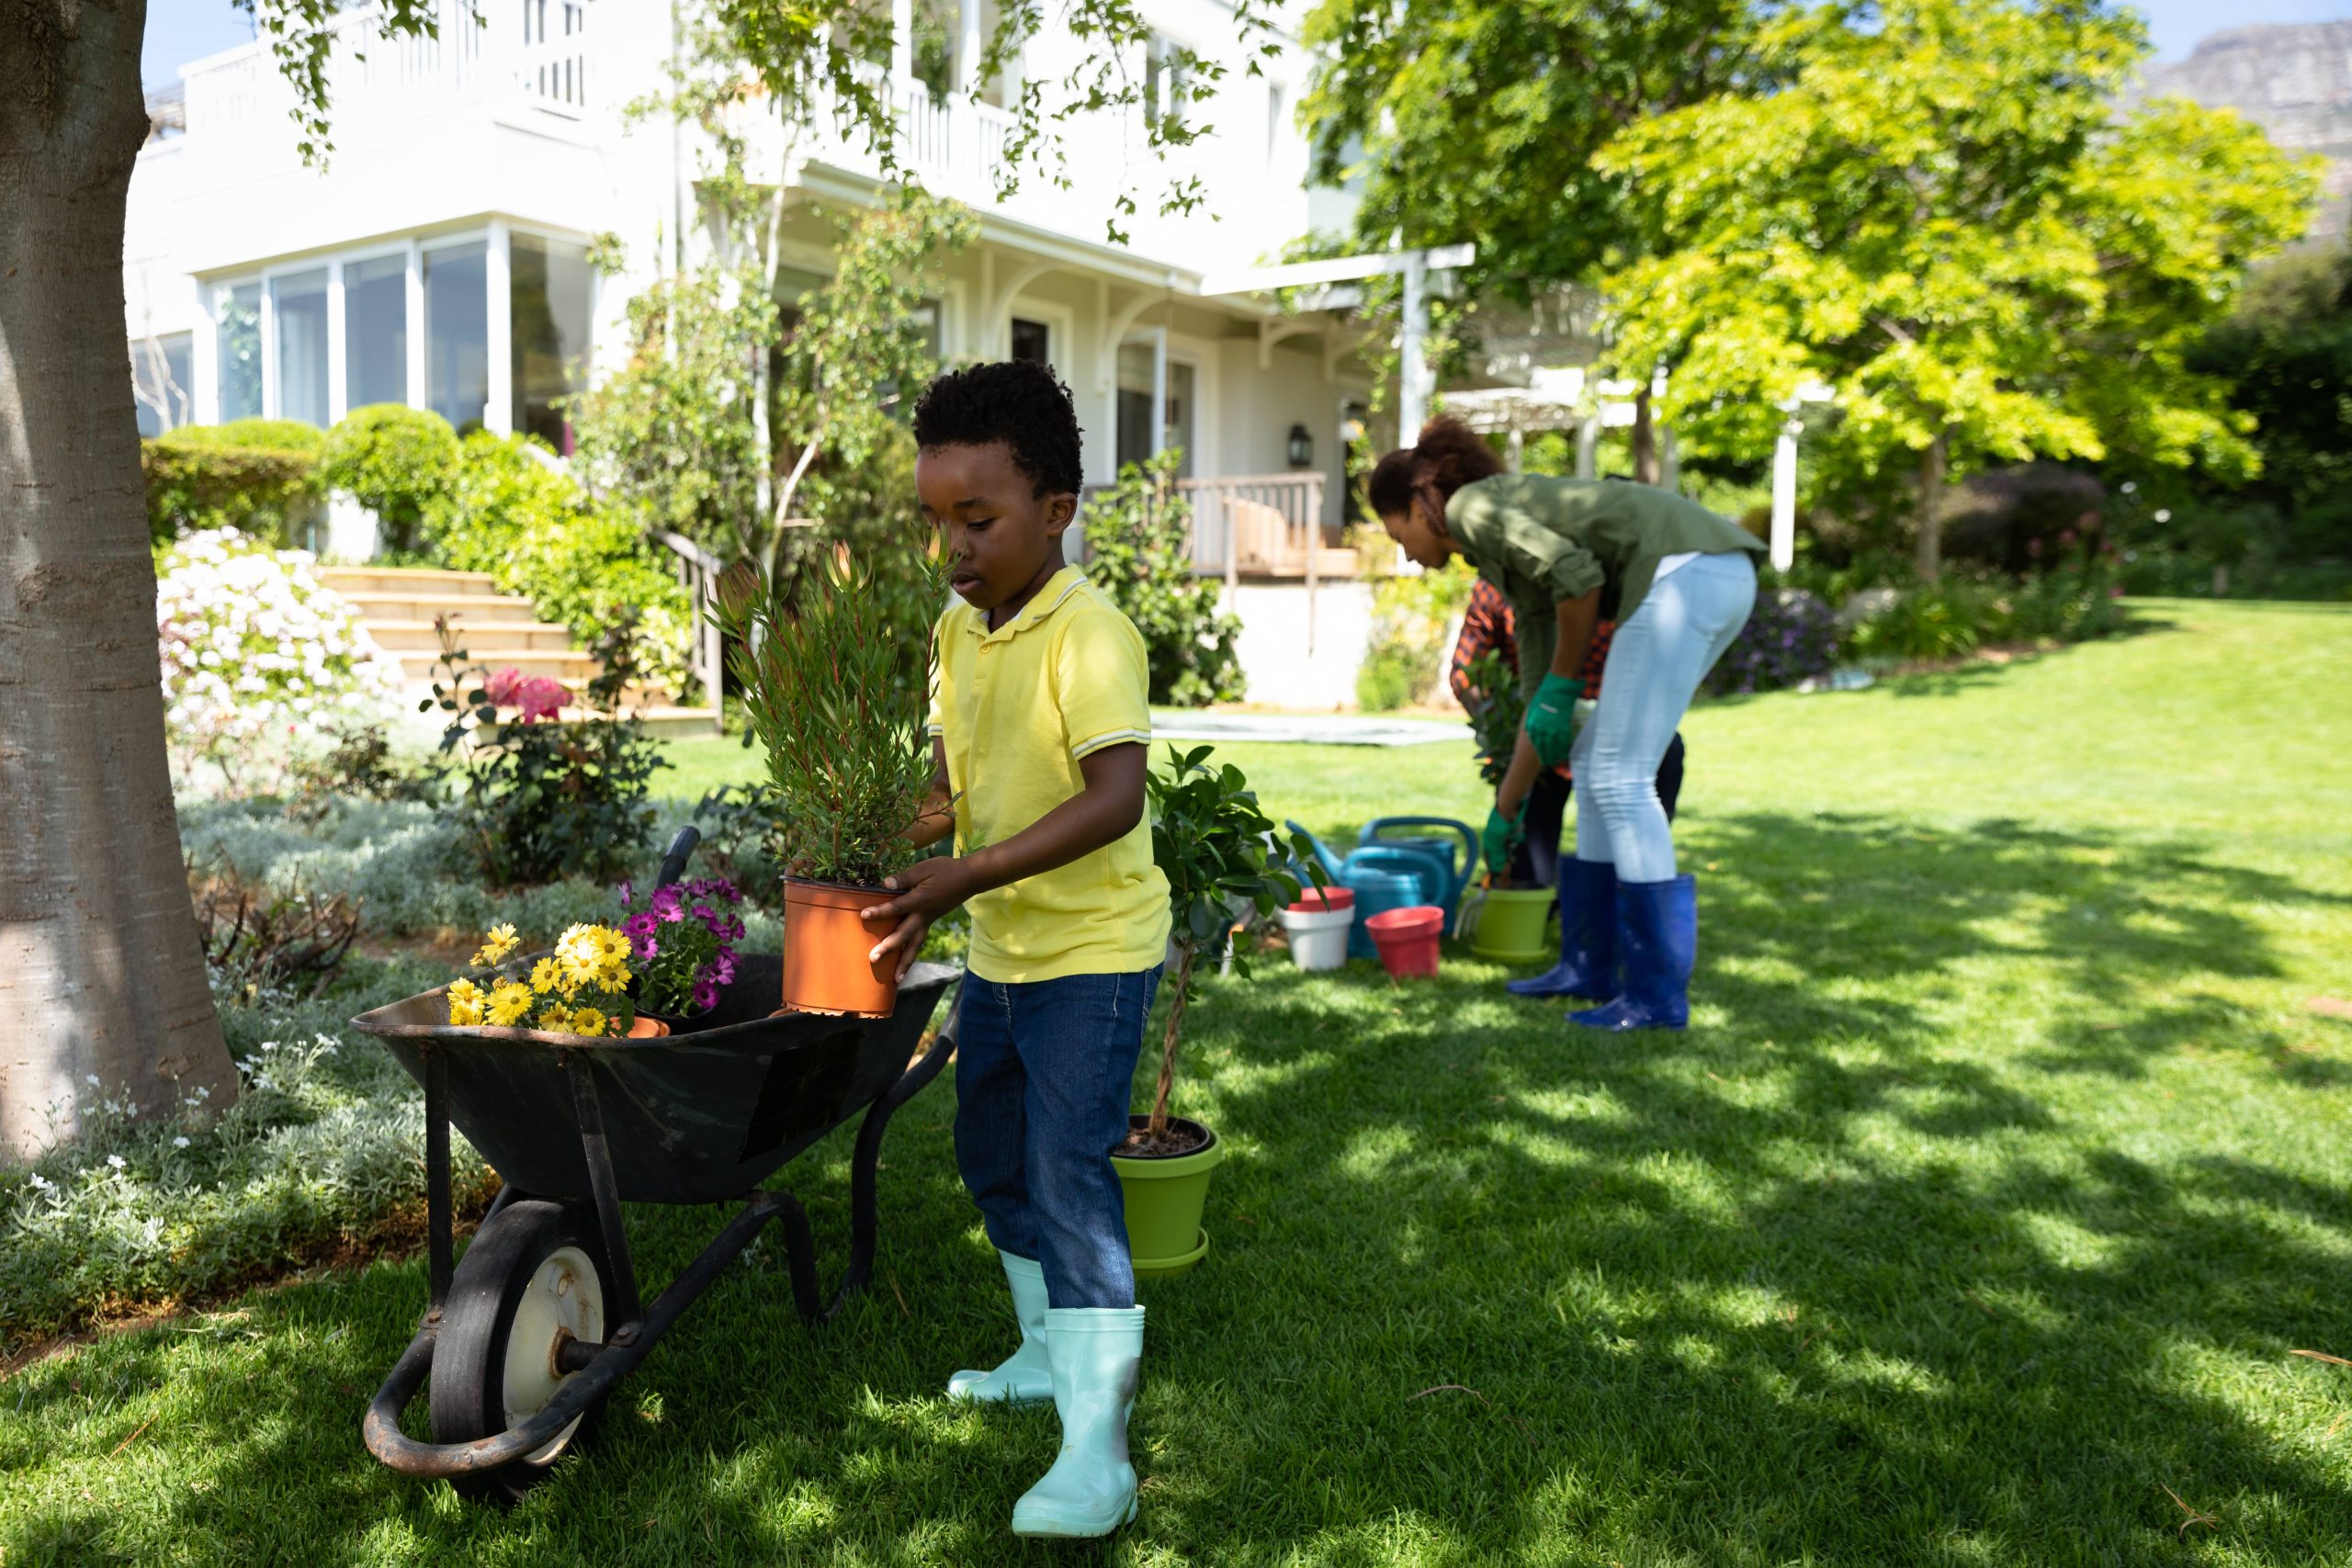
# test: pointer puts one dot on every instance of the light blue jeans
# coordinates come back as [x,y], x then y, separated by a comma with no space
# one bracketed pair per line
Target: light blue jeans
[1661,653]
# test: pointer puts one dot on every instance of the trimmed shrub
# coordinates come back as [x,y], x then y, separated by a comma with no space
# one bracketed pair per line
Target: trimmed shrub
[1791,637]
[1140,538]
[1410,618]
[507,513]
[394,460]
[258,476]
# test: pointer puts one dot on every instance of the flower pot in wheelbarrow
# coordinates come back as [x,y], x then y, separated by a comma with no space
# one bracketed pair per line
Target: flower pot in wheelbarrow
[1165,1195]
[826,966]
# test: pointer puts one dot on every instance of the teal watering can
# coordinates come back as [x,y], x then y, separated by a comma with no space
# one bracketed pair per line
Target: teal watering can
[1382,877]
[1457,868]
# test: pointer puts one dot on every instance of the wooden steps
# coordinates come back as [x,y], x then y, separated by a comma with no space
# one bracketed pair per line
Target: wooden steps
[399,605]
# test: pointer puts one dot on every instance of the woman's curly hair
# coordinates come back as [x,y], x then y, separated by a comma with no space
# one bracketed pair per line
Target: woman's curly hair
[1448,455]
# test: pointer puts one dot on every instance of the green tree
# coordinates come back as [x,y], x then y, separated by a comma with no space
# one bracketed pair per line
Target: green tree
[1483,119]
[2288,349]
[1938,214]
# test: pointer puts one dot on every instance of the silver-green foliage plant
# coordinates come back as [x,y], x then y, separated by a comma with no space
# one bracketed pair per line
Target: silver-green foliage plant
[837,689]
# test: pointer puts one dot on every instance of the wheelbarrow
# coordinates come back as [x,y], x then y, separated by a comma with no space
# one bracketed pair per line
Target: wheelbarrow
[525,1336]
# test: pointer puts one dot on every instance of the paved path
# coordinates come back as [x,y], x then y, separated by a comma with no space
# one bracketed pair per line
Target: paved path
[1317,730]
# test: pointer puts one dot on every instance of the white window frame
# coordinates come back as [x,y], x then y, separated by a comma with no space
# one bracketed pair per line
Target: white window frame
[496,236]
[1061,333]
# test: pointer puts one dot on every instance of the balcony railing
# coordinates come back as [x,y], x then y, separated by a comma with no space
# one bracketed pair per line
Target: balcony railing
[1260,525]
[533,51]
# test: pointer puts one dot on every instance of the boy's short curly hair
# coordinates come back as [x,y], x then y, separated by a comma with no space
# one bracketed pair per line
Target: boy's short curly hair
[1018,402]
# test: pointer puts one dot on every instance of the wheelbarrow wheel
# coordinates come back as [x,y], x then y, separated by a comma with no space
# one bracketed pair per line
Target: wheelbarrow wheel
[533,1279]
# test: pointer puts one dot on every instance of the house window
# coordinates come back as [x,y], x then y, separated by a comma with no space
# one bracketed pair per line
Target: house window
[162,382]
[1031,340]
[300,302]
[1167,84]
[550,290]
[457,333]
[237,319]
[374,332]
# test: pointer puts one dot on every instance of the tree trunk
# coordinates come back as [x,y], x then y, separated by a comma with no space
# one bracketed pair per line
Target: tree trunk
[1928,556]
[1644,438]
[101,979]
[1185,948]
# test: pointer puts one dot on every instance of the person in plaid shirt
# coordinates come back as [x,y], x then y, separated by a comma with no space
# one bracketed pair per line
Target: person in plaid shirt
[1487,628]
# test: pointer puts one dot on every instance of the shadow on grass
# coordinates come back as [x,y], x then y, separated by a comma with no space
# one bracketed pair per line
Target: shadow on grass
[1863,1269]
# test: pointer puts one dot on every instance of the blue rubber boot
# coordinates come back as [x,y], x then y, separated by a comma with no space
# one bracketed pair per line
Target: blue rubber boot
[1587,966]
[1090,1490]
[1025,1377]
[1657,941]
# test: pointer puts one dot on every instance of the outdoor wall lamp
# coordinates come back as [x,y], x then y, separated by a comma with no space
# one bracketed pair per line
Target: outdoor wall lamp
[1302,448]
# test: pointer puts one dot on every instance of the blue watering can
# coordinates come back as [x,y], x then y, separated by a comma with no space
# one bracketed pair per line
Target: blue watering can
[1457,867]
[1382,877]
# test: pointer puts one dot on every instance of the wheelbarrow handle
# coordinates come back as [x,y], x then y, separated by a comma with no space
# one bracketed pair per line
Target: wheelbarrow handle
[674,865]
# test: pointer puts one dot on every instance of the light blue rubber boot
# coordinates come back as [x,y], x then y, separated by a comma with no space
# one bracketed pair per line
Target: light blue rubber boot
[1025,1377]
[1587,966]
[1658,946]
[1090,1490]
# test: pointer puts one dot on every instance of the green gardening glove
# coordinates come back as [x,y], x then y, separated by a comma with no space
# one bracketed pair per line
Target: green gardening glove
[1552,719]
[1501,836]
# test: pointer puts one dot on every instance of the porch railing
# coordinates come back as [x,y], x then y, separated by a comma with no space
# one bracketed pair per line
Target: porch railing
[532,51]
[1262,527]
[698,572]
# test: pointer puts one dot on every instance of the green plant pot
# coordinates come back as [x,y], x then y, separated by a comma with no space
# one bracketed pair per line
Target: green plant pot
[1510,925]
[1164,1199]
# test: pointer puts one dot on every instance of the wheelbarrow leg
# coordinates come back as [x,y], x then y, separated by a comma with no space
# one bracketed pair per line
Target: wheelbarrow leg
[439,1248]
[622,1306]
[800,1250]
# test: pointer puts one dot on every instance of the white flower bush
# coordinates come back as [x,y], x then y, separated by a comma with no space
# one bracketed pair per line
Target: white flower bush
[257,655]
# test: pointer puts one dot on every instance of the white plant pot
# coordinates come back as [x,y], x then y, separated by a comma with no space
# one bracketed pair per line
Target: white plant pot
[1318,938]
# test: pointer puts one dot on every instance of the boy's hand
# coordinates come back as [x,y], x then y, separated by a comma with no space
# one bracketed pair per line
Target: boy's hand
[925,890]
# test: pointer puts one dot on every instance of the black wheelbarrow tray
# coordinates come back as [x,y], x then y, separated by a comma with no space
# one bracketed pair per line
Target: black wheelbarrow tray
[525,1338]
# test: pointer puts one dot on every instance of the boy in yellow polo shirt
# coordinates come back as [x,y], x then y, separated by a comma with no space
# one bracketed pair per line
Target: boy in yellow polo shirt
[1041,737]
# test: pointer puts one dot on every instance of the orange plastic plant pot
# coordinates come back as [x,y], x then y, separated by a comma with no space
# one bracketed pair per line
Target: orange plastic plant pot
[825,945]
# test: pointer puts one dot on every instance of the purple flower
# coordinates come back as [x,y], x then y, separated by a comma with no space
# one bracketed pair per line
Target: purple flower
[628,891]
[706,994]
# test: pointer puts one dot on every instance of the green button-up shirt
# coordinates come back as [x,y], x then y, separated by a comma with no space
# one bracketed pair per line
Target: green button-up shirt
[1541,540]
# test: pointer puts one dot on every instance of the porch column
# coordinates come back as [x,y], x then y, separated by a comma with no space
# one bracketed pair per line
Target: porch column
[498,409]
[1588,445]
[902,42]
[969,46]
[1413,390]
[1784,494]
[204,359]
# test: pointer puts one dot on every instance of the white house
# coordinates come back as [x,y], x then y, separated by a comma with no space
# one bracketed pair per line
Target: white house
[441,260]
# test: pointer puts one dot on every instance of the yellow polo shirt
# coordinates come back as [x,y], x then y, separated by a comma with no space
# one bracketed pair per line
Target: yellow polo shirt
[1015,709]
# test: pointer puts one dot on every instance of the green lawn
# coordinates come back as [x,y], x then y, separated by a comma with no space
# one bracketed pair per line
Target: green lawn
[1974,1220]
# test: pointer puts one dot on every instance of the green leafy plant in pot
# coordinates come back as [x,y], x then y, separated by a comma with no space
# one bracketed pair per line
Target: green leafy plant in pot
[1219,853]
[835,678]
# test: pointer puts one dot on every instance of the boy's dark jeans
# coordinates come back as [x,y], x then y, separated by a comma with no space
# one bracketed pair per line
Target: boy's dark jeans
[1043,1073]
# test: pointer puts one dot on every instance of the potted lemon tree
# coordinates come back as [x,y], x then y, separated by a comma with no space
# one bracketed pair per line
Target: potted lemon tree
[834,668]
[1220,854]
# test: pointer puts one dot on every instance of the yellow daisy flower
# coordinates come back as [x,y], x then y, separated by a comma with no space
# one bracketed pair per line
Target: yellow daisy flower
[578,953]
[509,1000]
[588,1021]
[502,941]
[465,1003]
[545,975]
[554,1019]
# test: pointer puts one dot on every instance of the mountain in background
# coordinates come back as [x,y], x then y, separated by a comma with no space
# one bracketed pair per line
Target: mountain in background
[2294,81]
